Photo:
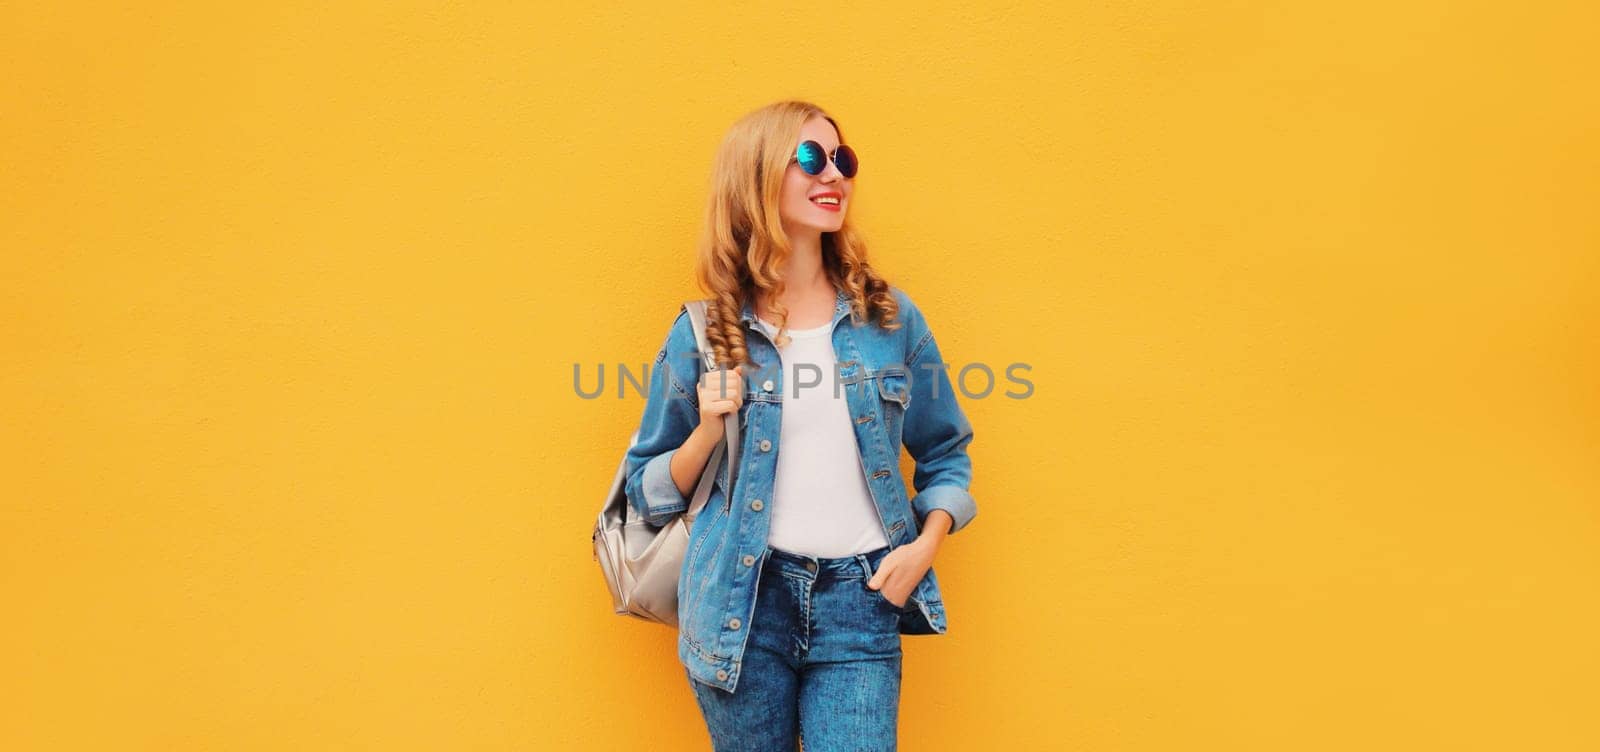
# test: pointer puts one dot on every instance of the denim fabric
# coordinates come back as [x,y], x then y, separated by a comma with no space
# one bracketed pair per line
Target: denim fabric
[899,394]
[822,665]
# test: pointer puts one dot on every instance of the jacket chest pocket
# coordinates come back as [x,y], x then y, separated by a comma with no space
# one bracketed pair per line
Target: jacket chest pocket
[892,386]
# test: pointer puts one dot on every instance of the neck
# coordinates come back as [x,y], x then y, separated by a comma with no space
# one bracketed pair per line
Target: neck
[803,275]
[804,268]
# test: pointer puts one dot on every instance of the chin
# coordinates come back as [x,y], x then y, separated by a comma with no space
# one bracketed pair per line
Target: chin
[827,224]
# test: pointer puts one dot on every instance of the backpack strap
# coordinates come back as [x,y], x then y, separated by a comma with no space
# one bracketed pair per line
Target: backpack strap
[730,423]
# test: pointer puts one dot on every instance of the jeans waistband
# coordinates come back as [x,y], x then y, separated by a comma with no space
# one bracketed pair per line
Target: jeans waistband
[816,567]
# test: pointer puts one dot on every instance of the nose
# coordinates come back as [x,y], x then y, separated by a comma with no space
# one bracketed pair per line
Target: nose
[830,174]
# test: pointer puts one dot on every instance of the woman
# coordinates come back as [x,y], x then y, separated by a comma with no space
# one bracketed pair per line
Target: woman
[798,584]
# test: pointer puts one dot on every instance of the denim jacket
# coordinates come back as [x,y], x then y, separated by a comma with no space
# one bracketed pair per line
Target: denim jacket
[898,391]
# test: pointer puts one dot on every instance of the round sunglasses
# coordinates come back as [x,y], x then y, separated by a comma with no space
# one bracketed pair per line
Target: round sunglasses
[814,160]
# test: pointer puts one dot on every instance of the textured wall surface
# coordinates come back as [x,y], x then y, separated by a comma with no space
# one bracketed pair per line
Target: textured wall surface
[290,455]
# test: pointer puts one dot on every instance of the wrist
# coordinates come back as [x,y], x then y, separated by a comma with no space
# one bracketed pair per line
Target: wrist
[708,432]
[935,527]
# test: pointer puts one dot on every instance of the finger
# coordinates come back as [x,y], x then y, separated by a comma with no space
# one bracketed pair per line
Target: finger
[725,384]
[715,382]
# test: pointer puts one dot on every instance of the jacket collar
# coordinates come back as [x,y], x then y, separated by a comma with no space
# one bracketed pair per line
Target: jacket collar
[841,307]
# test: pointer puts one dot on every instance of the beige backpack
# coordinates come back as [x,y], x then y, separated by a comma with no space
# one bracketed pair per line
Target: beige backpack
[641,562]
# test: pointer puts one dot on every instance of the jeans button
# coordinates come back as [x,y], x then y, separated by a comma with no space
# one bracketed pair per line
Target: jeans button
[811,566]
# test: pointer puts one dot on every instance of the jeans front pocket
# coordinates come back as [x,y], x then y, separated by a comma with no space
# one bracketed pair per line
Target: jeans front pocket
[869,562]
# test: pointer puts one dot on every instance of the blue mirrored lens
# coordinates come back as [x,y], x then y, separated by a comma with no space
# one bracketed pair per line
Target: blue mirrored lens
[811,157]
[845,160]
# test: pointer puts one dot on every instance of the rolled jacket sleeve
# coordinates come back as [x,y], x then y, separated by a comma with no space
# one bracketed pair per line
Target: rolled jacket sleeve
[936,433]
[670,414]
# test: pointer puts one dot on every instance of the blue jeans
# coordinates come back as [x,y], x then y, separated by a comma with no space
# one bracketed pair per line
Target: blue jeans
[822,664]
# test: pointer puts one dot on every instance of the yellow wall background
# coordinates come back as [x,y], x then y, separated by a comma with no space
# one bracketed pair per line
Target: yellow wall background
[292,297]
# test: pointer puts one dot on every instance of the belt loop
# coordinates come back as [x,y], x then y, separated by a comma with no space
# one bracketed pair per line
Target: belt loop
[866,566]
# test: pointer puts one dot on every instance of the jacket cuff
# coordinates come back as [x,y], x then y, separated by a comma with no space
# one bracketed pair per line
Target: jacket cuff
[954,500]
[661,496]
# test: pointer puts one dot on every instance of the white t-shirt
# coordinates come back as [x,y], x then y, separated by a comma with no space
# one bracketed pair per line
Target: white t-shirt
[820,502]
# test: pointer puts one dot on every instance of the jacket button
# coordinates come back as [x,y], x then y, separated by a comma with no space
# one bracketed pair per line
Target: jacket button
[756,505]
[722,675]
[749,560]
[733,623]
[766,445]
[766,386]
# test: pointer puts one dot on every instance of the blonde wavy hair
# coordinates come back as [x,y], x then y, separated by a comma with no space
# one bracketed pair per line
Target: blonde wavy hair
[743,248]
